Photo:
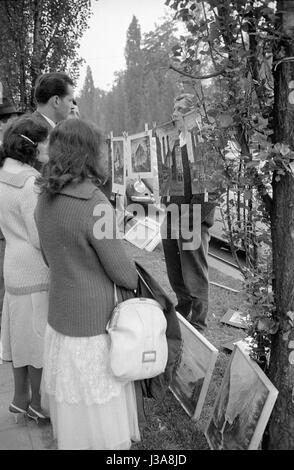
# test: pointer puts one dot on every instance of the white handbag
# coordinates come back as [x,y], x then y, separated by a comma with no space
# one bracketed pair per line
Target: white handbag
[137,331]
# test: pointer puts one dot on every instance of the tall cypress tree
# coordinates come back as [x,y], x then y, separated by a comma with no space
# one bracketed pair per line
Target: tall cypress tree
[88,99]
[134,76]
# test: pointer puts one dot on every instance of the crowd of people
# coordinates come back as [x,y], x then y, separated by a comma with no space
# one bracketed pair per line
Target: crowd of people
[57,283]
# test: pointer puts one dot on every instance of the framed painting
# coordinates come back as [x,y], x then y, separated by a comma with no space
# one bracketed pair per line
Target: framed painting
[118,164]
[144,234]
[170,165]
[205,162]
[141,155]
[236,318]
[245,343]
[243,405]
[194,369]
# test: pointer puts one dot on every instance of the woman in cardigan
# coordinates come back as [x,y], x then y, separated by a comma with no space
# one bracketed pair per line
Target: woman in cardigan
[89,408]
[26,276]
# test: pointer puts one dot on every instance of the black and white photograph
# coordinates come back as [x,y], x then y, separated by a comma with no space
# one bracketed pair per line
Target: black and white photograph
[146,178]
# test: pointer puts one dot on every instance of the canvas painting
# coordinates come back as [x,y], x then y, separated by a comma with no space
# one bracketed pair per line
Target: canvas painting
[144,234]
[236,318]
[194,369]
[142,154]
[118,160]
[171,173]
[204,161]
[243,405]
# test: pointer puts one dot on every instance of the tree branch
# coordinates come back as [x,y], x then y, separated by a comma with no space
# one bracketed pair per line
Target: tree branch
[197,77]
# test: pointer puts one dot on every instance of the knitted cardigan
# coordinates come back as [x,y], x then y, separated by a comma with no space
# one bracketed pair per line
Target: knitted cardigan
[83,269]
[24,269]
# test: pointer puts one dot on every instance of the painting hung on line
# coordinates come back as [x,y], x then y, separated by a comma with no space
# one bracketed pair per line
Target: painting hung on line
[118,157]
[170,166]
[141,155]
[194,369]
[243,405]
[205,163]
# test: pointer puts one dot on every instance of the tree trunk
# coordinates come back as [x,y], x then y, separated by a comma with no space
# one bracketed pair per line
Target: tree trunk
[35,60]
[281,372]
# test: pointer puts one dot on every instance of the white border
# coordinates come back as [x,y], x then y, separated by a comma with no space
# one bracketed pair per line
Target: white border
[199,338]
[146,222]
[153,156]
[118,188]
[267,408]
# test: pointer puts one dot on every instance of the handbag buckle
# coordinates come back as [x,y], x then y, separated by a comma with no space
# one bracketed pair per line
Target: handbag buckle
[149,356]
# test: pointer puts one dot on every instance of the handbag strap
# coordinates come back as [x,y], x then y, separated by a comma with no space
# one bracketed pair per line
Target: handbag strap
[115,289]
[115,295]
[144,282]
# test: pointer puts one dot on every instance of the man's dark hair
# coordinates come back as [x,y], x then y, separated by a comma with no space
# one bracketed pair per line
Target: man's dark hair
[21,138]
[76,152]
[51,84]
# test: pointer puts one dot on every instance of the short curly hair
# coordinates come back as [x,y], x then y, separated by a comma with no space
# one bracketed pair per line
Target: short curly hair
[75,153]
[19,148]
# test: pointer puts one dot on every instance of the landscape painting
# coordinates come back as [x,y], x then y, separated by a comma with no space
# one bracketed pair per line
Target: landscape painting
[141,150]
[118,157]
[205,163]
[194,369]
[171,173]
[243,405]
[236,318]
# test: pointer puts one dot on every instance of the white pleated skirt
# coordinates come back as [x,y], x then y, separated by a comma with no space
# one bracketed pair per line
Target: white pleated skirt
[88,407]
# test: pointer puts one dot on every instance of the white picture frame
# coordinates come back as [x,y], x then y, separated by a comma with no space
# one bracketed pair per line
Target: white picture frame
[141,154]
[235,318]
[144,234]
[118,164]
[194,369]
[243,405]
[170,164]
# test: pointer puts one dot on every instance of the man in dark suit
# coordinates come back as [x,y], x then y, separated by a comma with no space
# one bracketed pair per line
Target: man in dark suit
[54,98]
[55,102]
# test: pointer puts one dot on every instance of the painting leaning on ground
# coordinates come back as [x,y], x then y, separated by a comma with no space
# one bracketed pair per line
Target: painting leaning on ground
[242,407]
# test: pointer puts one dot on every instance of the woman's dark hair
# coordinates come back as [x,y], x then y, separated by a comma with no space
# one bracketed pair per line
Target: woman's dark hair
[75,153]
[21,138]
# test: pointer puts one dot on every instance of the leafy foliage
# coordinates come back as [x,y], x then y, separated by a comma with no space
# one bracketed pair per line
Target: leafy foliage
[247,111]
[145,91]
[234,39]
[39,36]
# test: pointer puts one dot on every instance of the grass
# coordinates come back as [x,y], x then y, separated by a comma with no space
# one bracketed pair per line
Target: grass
[168,426]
